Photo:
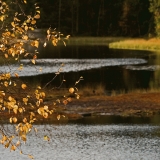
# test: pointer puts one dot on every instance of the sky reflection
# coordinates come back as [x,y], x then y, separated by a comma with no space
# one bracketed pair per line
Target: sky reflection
[45,66]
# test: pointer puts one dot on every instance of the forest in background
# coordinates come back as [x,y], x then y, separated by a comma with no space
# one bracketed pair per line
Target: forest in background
[132,18]
[128,18]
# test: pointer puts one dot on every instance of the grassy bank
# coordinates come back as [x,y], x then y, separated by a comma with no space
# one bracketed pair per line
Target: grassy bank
[137,44]
[118,42]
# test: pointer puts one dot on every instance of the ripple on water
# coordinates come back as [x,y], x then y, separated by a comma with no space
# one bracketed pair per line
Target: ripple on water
[92,142]
[44,66]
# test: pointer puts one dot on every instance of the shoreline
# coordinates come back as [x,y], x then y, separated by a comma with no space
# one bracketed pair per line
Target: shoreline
[124,105]
[131,104]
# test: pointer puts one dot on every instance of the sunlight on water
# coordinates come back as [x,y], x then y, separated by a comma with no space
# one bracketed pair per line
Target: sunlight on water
[44,66]
[91,142]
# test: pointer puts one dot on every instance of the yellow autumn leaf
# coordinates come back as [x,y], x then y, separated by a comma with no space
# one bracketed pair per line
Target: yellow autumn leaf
[7,145]
[6,55]
[20,110]
[40,110]
[35,56]
[54,42]
[16,75]
[46,108]
[2,18]
[33,61]
[4,138]
[6,84]
[26,28]
[18,143]
[78,96]
[13,148]
[65,102]
[14,119]
[38,11]
[10,98]
[39,87]
[42,94]
[45,115]
[32,114]
[69,99]
[25,120]
[13,24]
[15,106]
[46,138]
[24,86]
[15,110]
[30,156]
[58,117]
[25,100]
[2,93]
[48,31]
[35,43]
[13,35]
[10,120]
[23,137]
[67,37]
[71,90]
[26,54]
[31,28]
[37,16]
[25,37]
[33,22]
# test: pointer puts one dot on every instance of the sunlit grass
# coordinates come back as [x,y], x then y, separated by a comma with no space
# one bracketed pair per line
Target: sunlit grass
[118,42]
[138,44]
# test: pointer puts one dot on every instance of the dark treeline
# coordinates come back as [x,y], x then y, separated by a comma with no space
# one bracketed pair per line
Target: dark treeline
[134,18]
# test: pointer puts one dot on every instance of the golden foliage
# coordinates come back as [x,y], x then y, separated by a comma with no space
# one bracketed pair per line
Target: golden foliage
[24,86]
[15,96]
[71,90]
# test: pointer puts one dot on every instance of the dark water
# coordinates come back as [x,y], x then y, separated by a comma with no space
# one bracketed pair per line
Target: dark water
[113,76]
[115,69]
[96,137]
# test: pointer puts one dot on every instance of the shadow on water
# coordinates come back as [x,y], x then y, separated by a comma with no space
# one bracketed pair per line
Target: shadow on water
[112,119]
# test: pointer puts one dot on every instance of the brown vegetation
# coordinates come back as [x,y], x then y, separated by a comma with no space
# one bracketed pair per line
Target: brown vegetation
[137,104]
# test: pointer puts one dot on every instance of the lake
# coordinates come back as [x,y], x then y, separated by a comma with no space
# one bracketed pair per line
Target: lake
[93,138]
[88,141]
[115,69]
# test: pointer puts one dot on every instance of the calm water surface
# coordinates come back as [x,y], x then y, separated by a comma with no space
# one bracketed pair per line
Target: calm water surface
[115,69]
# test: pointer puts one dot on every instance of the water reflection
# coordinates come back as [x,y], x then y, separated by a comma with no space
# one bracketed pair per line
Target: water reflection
[119,78]
[44,66]
[116,69]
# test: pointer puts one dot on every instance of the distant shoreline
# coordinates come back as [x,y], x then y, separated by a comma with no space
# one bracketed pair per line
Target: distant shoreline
[149,44]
